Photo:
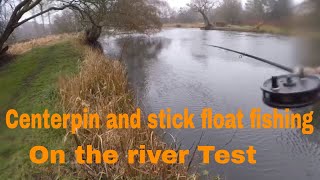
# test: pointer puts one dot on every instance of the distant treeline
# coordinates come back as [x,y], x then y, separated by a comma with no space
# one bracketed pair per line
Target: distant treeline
[253,12]
[275,12]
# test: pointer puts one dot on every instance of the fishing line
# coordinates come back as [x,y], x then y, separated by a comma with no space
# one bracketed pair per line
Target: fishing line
[255,57]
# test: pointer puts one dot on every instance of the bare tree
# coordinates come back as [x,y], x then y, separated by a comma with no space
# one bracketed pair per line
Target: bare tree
[20,9]
[4,11]
[66,22]
[121,15]
[2,21]
[231,11]
[45,4]
[186,15]
[277,9]
[203,6]
[41,7]
[255,10]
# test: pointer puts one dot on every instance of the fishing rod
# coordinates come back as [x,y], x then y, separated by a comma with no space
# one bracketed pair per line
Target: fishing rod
[255,57]
[286,91]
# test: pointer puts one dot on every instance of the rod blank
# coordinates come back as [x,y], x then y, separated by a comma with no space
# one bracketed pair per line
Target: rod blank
[257,58]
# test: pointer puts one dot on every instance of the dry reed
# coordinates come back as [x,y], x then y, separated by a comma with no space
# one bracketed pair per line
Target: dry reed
[102,87]
[23,47]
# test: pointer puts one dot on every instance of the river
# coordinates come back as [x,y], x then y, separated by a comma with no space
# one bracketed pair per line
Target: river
[176,69]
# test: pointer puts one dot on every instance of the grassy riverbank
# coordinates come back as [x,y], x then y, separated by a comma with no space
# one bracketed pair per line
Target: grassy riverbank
[29,84]
[66,76]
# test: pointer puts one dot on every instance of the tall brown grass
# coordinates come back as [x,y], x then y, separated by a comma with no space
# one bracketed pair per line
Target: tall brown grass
[102,87]
[23,47]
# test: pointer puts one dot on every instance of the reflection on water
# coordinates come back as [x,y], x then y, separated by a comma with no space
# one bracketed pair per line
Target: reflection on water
[175,69]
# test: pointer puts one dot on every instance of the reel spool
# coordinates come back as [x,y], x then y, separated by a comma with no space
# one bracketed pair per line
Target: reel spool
[291,91]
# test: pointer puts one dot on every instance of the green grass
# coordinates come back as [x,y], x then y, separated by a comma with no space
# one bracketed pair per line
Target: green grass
[29,84]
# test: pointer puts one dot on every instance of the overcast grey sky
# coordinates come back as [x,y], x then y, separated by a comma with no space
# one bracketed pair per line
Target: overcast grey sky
[181,3]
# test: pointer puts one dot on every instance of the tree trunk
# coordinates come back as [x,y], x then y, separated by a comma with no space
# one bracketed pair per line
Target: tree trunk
[42,19]
[50,23]
[43,25]
[207,23]
[3,51]
[3,38]
[49,18]
[92,36]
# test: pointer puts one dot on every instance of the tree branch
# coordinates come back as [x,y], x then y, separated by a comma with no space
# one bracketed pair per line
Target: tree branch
[40,13]
[32,5]
[83,12]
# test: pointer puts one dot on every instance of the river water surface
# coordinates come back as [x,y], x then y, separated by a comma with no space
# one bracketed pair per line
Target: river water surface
[176,69]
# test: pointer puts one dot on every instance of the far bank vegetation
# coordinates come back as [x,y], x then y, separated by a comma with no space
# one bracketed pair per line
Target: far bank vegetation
[269,16]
